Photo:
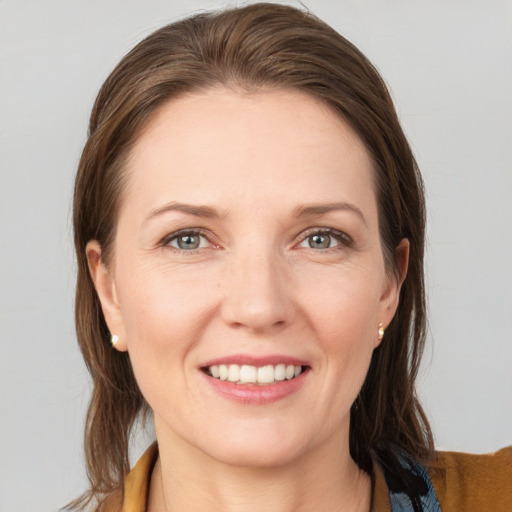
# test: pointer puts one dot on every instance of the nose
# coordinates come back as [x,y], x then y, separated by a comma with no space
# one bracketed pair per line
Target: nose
[257,293]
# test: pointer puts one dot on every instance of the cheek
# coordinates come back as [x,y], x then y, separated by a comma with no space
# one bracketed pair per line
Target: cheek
[164,311]
[165,314]
[344,314]
[344,304]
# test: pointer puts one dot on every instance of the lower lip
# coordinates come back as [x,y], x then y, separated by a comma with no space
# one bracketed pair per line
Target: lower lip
[256,394]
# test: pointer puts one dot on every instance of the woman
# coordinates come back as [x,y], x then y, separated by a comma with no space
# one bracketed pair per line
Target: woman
[249,226]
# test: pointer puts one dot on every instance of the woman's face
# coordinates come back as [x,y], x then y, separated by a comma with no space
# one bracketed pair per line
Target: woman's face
[248,249]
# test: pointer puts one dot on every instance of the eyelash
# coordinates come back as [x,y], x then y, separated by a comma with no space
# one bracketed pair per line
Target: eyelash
[184,232]
[343,239]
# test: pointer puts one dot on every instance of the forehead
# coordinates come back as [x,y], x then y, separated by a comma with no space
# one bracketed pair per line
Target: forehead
[228,143]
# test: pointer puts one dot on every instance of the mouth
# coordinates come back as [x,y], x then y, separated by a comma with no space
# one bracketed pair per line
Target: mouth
[254,375]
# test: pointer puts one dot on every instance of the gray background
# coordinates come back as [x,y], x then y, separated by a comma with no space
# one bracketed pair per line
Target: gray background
[449,65]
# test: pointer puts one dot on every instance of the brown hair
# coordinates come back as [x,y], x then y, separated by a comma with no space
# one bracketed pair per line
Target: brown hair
[260,46]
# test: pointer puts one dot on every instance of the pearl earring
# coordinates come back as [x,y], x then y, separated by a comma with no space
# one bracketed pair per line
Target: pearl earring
[381,332]
[114,339]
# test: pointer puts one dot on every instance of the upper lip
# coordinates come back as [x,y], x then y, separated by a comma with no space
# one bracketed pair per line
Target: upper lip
[258,361]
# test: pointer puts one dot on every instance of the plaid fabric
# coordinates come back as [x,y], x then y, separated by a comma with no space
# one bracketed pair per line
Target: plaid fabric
[417,497]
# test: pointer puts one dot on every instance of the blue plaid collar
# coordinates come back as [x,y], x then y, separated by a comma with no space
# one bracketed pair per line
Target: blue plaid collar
[419,496]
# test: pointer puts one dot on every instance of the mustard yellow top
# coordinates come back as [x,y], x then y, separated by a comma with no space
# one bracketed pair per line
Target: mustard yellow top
[463,483]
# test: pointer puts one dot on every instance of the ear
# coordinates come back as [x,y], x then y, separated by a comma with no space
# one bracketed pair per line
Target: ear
[103,280]
[391,292]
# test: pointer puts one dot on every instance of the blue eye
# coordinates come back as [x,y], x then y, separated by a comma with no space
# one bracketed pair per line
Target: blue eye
[188,241]
[324,239]
[319,241]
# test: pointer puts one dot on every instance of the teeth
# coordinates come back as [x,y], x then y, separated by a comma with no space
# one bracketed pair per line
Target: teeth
[266,374]
[246,374]
[280,372]
[233,372]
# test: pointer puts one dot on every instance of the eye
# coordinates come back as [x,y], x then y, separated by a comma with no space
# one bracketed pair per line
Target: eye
[187,240]
[320,241]
[324,239]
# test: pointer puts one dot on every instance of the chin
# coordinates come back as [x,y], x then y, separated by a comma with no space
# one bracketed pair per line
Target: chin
[258,456]
[257,448]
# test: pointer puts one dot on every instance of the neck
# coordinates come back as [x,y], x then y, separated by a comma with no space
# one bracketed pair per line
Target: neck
[325,478]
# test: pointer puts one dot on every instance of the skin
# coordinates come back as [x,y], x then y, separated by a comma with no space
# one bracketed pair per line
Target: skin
[254,287]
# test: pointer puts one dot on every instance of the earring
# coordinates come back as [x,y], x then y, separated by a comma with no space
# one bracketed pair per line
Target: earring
[114,339]
[381,332]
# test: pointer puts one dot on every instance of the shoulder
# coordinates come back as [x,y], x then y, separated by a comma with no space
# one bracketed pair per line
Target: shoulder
[469,482]
[133,497]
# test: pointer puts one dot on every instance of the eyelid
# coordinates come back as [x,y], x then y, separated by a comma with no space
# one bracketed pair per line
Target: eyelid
[341,236]
[166,241]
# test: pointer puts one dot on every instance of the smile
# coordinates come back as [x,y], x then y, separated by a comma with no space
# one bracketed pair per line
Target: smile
[247,374]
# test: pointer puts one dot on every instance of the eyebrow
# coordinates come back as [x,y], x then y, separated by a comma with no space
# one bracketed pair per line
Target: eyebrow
[210,213]
[195,210]
[322,209]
